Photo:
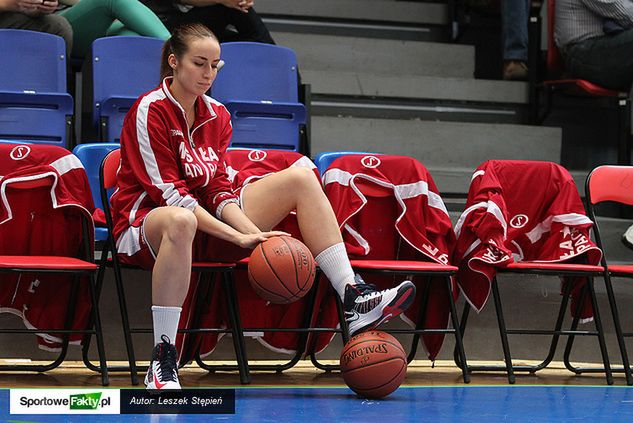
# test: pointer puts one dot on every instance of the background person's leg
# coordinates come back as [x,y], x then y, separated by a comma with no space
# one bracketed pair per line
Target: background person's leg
[606,61]
[514,38]
[92,19]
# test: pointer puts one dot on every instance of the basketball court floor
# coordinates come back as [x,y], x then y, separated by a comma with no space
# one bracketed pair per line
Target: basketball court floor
[429,394]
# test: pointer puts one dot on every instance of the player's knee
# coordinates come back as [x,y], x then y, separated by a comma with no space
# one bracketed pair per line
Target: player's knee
[181,226]
[305,179]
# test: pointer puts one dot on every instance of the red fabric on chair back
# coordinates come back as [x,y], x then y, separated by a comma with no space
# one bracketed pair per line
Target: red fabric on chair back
[389,208]
[45,195]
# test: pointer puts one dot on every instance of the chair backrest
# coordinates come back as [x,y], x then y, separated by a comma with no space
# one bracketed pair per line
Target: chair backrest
[107,182]
[91,155]
[34,104]
[607,183]
[323,160]
[610,183]
[123,69]
[256,71]
[109,168]
[32,61]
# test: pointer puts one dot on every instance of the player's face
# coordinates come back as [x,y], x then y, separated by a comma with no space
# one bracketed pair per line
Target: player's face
[196,70]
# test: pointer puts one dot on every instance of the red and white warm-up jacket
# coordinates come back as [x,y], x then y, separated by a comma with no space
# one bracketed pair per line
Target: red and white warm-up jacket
[163,163]
[520,211]
[388,207]
[44,221]
[247,167]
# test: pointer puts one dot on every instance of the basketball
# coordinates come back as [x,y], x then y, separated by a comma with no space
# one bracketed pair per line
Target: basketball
[281,269]
[373,364]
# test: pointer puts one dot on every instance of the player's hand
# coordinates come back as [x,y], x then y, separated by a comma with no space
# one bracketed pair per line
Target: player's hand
[251,240]
[28,7]
[241,5]
[48,6]
[246,4]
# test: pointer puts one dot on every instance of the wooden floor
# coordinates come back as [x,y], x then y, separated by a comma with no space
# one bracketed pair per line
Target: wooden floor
[419,373]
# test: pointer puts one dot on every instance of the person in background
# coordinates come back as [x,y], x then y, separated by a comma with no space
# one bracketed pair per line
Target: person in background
[514,34]
[92,19]
[230,20]
[595,38]
[35,15]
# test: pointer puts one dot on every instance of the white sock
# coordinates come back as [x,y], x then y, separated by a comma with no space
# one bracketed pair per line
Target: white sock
[335,264]
[165,322]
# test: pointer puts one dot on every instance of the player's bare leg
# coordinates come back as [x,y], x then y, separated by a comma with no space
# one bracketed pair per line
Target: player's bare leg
[170,232]
[269,200]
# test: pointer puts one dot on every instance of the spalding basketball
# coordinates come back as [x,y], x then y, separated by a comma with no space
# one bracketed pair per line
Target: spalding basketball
[373,364]
[281,269]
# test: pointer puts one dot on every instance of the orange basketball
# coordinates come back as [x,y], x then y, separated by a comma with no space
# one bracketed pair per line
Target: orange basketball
[373,364]
[281,269]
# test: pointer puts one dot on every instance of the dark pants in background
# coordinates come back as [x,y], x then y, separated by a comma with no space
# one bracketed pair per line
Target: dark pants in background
[248,26]
[606,61]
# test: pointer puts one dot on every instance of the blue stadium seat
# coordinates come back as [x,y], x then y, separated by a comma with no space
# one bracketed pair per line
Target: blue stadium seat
[34,104]
[91,155]
[323,160]
[259,86]
[123,69]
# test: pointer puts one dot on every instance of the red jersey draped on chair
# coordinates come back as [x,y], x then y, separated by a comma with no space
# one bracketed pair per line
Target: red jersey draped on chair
[388,207]
[520,211]
[52,227]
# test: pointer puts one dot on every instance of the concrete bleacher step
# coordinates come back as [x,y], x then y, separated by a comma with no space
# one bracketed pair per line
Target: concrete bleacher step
[401,79]
[329,53]
[365,94]
[371,18]
[450,150]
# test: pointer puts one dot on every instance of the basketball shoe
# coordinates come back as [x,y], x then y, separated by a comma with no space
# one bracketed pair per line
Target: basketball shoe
[162,373]
[366,307]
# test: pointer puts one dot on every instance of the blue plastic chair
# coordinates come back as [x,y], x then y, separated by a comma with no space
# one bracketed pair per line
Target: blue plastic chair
[34,104]
[123,68]
[259,86]
[323,160]
[91,155]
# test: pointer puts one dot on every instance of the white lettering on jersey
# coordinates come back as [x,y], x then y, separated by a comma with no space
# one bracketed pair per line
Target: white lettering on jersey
[576,245]
[443,258]
[212,168]
[20,152]
[581,243]
[184,153]
[176,133]
[492,254]
[208,155]
[193,170]
[432,250]
[489,256]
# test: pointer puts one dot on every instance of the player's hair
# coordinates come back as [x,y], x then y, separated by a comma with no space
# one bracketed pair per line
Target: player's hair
[178,44]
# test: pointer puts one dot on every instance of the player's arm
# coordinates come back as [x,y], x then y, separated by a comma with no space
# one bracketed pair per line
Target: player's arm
[214,227]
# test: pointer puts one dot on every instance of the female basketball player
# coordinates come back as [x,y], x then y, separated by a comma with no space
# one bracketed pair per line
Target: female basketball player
[172,183]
